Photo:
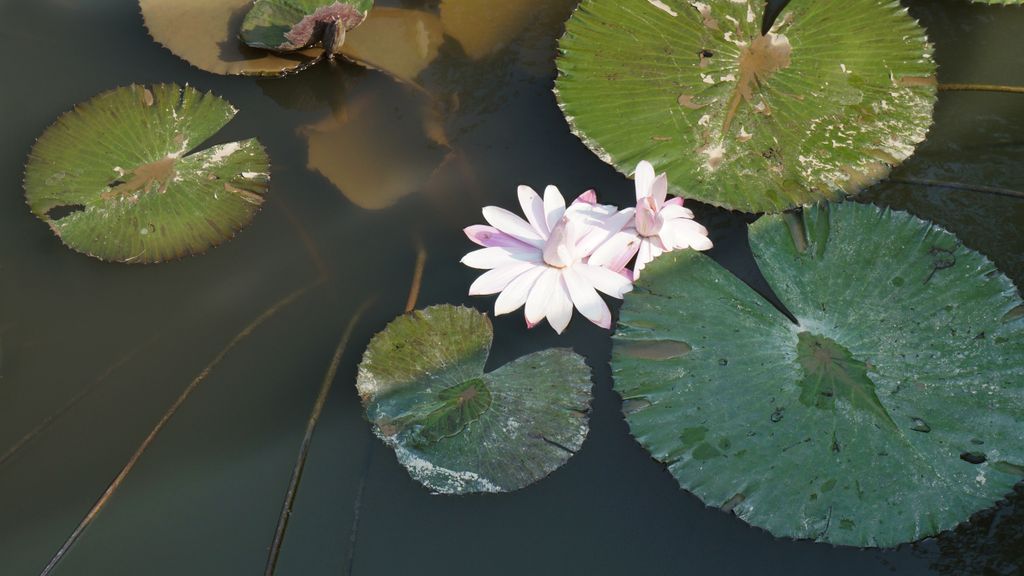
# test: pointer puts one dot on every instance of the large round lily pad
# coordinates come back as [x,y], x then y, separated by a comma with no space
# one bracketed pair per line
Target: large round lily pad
[205,33]
[289,25]
[458,429]
[893,410]
[114,178]
[826,103]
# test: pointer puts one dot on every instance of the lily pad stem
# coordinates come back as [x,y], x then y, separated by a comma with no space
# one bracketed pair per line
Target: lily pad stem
[981,88]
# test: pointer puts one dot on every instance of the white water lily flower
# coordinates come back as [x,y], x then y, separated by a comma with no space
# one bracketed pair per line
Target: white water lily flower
[660,226]
[542,262]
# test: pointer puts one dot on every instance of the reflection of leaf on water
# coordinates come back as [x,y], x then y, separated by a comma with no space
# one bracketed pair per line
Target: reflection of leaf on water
[482,27]
[396,41]
[382,143]
[992,543]
[205,34]
[115,179]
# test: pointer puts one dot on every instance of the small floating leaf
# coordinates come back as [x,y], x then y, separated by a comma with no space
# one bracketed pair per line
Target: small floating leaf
[289,25]
[826,103]
[204,33]
[881,393]
[114,178]
[458,430]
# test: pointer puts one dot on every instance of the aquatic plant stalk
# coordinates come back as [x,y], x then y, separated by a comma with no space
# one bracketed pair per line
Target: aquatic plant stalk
[164,420]
[1008,192]
[307,440]
[953,86]
[417,275]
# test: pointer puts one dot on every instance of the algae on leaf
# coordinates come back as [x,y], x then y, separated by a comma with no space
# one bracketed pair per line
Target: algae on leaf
[204,33]
[289,25]
[114,179]
[460,430]
[825,103]
[893,410]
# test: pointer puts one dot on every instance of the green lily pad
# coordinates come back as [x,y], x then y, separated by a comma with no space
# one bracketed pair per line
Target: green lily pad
[826,103]
[460,430]
[893,409]
[290,25]
[204,33]
[114,179]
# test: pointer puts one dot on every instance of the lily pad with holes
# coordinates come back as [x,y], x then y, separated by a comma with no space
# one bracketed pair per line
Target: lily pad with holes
[458,429]
[205,33]
[114,178]
[290,25]
[837,93]
[891,410]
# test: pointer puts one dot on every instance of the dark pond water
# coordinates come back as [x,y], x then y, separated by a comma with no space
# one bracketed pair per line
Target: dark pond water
[205,498]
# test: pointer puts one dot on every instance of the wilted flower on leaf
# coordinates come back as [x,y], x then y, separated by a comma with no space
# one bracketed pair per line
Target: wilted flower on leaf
[542,261]
[560,257]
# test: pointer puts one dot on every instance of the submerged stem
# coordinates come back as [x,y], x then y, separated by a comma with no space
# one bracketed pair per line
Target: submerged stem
[307,440]
[417,275]
[953,86]
[1007,192]
[119,479]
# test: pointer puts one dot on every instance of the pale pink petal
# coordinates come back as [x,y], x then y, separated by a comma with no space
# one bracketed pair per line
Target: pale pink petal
[554,206]
[491,237]
[643,257]
[559,249]
[488,258]
[515,294]
[671,211]
[586,299]
[512,225]
[647,222]
[644,178]
[540,295]
[617,251]
[701,243]
[588,197]
[676,201]
[494,281]
[559,308]
[659,189]
[601,229]
[533,207]
[605,280]
[683,233]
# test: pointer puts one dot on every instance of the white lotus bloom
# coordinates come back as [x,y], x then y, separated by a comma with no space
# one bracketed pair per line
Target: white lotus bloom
[542,262]
[659,226]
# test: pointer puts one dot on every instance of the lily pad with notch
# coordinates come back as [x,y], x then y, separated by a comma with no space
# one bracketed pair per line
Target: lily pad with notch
[290,25]
[458,429]
[204,33]
[833,96]
[891,410]
[114,178]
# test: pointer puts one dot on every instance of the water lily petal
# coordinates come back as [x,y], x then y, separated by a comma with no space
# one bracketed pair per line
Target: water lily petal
[496,280]
[554,206]
[540,295]
[617,251]
[489,258]
[559,308]
[684,233]
[676,201]
[601,227]
[672,211]
[647,221]
[586,299]
[515,294]
[588,197]
[512,225]
[491,237]
[605,280]
[650,248]
[533,207]
[644,178]
[659,189]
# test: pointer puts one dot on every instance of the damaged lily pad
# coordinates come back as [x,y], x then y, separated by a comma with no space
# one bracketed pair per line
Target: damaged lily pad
[205,33]
[290,25]
[458,429]
[114,179]
[837,93]
[893,409]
